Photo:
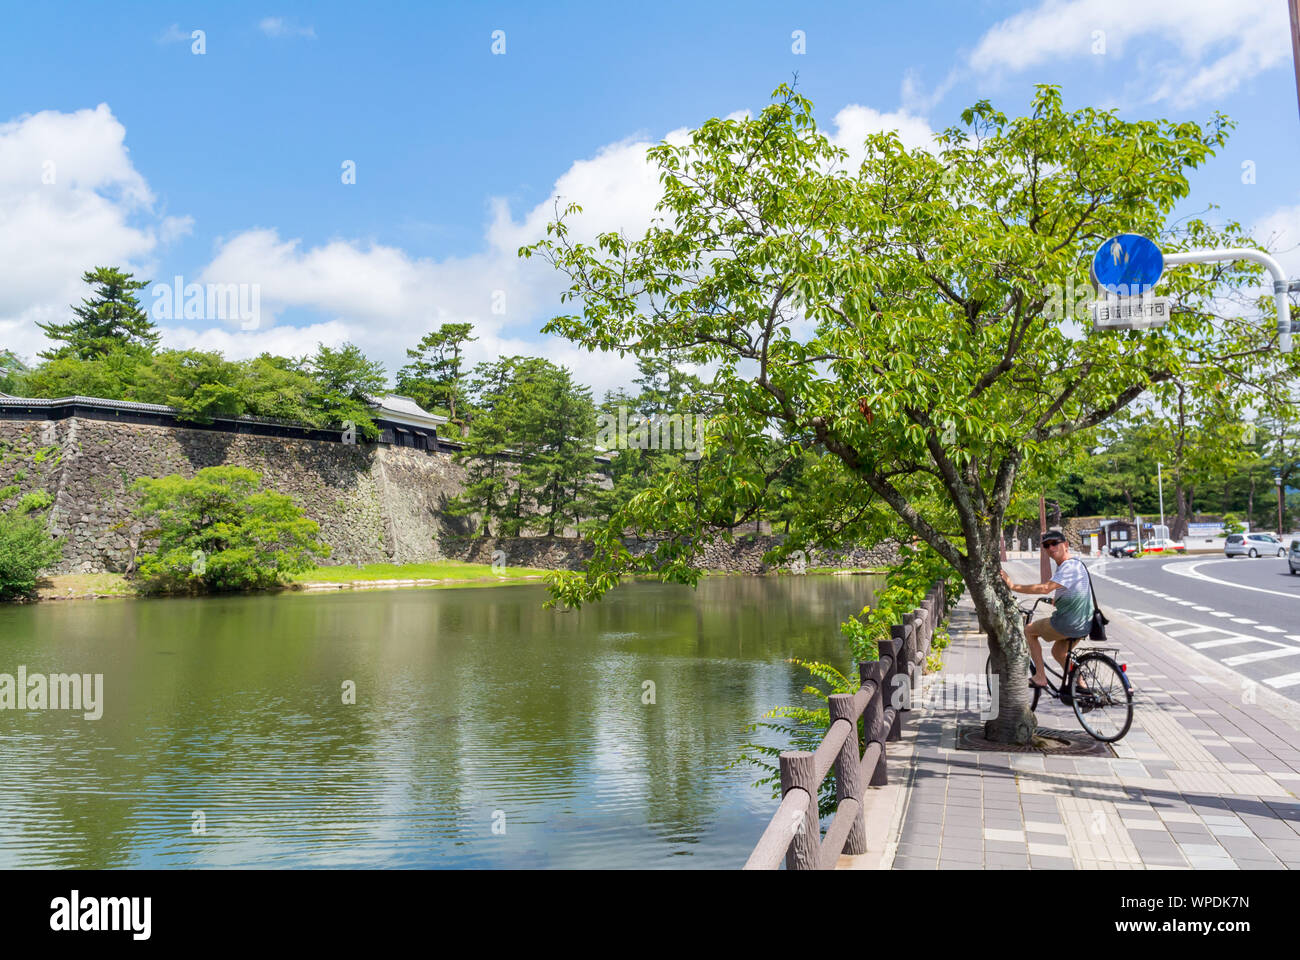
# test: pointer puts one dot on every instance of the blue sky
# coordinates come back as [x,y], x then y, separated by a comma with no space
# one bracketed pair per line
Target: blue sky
[120,144]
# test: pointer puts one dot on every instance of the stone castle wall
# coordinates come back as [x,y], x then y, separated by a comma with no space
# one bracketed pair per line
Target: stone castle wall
[374,503]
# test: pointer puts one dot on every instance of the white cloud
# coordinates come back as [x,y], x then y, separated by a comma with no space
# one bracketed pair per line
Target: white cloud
[278,27]
[1279,232]
[384,300]
[373,294]
[70,200]
[174,34]
[1216,45]
[855,122]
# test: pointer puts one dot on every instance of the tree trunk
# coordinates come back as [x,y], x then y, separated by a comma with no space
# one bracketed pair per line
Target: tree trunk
[1002,624]
[1180,518]
[1250,505]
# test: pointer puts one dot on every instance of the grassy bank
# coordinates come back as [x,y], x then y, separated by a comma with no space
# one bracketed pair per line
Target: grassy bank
[85,586]
[441,571]
[81,586]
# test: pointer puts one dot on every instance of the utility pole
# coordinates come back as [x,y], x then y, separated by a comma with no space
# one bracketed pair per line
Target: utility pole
[1160,481]
[1280,532]
[1044,561]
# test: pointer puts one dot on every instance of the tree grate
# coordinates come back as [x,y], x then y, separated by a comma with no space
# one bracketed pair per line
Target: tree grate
[1055,743]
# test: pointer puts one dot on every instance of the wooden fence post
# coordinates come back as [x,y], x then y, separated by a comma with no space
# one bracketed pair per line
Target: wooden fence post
[893,649]
[798,770]
[848,772]
[873,671]
[905,637]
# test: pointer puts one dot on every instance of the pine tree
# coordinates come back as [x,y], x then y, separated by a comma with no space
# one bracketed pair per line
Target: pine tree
[110,320]
[434,377]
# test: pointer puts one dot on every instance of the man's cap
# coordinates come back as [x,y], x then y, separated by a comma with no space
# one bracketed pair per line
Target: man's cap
[1053,536]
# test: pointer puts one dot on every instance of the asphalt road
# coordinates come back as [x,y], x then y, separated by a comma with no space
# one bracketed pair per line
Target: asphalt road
[1244,613]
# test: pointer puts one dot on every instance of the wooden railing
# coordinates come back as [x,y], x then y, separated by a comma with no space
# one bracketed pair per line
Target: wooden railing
[795,829]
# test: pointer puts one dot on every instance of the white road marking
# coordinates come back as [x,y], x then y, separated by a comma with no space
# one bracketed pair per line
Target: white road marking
[1243,620]
[1202,609]
[1161,623]
[1286,680]
[1219,613]
[1191,630]
[1262,655]
[1267,629]
[1237,638]
[1191,570]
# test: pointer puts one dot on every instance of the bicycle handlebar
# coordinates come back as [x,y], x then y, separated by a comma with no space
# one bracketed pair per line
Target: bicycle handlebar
[1029,613]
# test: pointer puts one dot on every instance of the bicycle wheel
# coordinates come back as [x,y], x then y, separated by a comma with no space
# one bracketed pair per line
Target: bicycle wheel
[1103,697]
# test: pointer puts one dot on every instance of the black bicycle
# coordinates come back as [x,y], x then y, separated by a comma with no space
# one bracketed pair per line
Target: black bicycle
[1093,683]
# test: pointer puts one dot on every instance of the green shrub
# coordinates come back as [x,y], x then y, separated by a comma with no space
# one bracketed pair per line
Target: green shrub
[26,547]
[221,531]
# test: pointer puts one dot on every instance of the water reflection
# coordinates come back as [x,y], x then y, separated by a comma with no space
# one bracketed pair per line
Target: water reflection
[474,709]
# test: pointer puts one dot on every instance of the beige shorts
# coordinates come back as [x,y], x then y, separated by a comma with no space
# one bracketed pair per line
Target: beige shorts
[1045,630]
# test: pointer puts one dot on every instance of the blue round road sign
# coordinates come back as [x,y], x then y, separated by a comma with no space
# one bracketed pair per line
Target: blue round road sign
[1127,265]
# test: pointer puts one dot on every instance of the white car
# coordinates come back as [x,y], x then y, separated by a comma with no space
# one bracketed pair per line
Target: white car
[1161,545]
[1253,545]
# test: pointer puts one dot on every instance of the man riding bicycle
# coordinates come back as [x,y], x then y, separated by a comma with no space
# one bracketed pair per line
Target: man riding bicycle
[1073,615]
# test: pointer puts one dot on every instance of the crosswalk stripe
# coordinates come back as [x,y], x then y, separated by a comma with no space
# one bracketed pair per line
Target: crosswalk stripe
[1192,630]
[1286,680]
[1207,644]
[1244,620]
[1268,629]
[1161,623]
[1219,613]
[1262,655]
[1202,609]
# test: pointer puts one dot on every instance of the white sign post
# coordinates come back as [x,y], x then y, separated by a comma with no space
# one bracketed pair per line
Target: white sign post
[1281,286]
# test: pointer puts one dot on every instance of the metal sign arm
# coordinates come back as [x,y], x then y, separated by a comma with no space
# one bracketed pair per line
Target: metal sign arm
[1280,283]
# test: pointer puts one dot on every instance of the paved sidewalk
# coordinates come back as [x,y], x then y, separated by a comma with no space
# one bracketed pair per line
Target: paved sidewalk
[1207,777]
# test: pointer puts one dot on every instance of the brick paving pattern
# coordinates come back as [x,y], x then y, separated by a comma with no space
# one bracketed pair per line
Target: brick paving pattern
[1204,779]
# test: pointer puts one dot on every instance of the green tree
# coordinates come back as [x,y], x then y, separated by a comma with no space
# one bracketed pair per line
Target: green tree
[434,378]
[277,387]
[346,382]
[111,376]
[220,530]
[12,370]
[201,384]
[487,484]
[559,415]
[109,320]
[529,456]
[26,547]
[912,318]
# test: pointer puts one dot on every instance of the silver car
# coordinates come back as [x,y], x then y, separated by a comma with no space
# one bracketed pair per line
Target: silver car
[1293,557]
[1253,545]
